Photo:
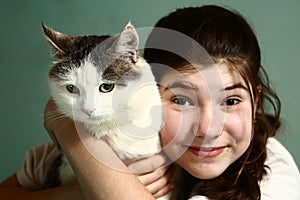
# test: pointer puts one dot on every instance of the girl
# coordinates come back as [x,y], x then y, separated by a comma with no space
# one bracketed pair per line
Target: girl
[233,154]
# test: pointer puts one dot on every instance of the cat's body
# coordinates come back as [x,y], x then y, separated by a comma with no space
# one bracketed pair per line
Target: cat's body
[105,84]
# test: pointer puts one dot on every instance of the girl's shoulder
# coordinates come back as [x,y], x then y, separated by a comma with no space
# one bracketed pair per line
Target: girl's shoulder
[278,154]
[282,179]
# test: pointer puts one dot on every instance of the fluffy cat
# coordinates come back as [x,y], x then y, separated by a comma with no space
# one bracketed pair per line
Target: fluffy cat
[104,83]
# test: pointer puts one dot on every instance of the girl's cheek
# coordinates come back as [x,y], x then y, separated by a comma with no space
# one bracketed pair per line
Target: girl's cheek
[239,126]
[178,127]
[171,126]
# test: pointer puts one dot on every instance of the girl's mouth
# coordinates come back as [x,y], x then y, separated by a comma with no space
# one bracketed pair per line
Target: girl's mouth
[207,152]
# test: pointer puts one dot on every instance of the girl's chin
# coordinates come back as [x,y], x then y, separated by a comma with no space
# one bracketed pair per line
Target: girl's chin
[204,170]
[206,175]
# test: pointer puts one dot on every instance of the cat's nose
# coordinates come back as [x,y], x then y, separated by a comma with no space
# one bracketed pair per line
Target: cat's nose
[89,111]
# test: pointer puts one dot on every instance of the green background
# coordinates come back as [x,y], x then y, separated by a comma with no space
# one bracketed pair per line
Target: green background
[25,60]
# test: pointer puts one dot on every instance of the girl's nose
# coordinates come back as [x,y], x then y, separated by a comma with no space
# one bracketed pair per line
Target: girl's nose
[209,123]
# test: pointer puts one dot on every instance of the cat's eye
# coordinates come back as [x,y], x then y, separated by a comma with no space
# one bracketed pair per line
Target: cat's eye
[72,89]
[106,87]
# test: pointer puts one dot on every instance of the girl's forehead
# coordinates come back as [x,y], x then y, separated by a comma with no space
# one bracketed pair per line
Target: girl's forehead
[217,76]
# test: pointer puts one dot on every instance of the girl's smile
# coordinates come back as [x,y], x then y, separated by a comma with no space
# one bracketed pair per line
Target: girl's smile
[207,152]
[208,121]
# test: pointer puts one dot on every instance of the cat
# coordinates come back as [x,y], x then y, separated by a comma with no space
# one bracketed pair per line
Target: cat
[104,83]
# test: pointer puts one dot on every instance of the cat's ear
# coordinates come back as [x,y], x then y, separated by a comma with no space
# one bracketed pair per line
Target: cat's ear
[59,42]
[128,42]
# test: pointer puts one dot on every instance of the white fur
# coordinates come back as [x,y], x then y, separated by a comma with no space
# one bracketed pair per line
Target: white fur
[138,137]
[129,117]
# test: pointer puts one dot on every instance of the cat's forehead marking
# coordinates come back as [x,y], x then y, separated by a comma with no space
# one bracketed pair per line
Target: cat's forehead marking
[61,71]
[87,74]
[114,68]
[99,60]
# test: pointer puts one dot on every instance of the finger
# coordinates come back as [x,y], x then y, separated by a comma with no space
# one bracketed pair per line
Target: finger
[164,191]
[49,108]
[53,138]
[151,177]
[148,164]
[54,121]
[160,183]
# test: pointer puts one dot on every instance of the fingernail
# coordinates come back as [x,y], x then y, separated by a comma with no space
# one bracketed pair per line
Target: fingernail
[171,185]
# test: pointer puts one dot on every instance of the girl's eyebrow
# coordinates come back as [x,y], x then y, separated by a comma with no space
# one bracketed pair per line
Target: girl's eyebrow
[235,86]
[189,86]
[182,85]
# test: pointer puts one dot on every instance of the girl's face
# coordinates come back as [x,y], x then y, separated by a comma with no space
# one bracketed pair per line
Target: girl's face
[208,119]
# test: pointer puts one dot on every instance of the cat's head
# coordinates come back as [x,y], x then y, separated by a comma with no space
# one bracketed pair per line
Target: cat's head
[90,71]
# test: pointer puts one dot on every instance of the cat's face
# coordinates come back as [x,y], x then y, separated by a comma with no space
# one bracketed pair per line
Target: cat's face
[84,95]
[90,76]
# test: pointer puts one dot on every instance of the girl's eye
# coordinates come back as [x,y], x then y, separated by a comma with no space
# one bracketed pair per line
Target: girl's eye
[231,102]
[72,89]
[182,101]
[106,87]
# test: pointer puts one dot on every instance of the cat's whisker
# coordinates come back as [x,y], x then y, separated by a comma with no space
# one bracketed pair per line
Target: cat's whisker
[55,116]
[66,122]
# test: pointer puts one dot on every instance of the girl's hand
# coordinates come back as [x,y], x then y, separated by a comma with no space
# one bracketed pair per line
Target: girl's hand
[50,115]
[157,181]
[87,167]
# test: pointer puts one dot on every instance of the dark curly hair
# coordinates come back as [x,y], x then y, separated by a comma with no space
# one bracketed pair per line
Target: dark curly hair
[229,39]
